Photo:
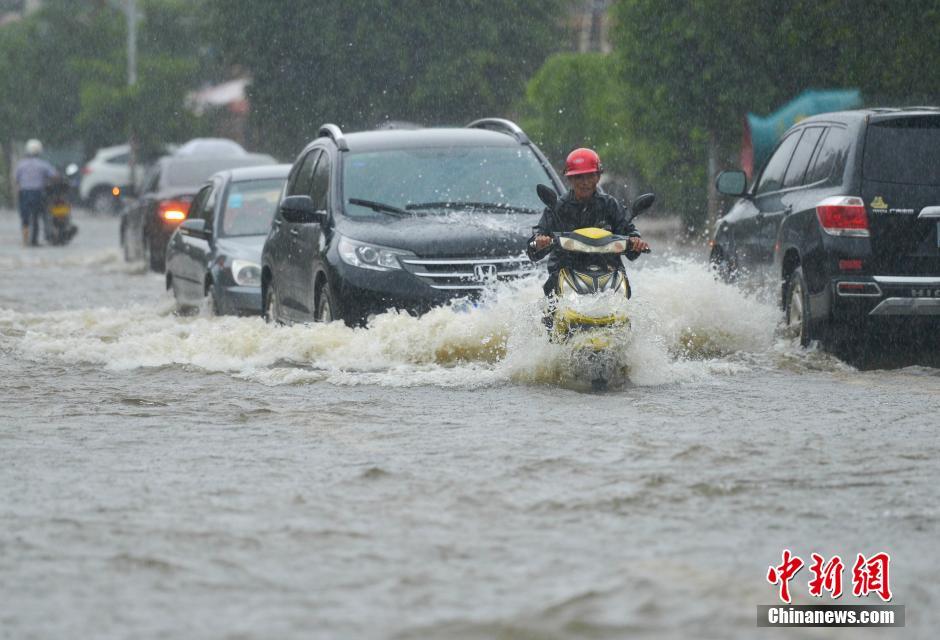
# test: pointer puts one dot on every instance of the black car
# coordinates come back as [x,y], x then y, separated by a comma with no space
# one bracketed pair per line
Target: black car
[401,218]
[844,218]
[214,257]
[167,190]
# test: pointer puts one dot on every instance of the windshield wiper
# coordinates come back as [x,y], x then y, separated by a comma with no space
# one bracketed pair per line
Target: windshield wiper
[379,206]
[469,205]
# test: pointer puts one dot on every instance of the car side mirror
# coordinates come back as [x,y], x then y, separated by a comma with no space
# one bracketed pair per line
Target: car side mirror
[547,195]
[731,183]
[300,209]
[196,227]
[642,203]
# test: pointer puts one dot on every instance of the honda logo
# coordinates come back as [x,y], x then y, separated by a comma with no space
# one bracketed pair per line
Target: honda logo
[484,271]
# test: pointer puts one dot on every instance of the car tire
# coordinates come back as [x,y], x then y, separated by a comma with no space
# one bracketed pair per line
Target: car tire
[155,260]
[722,266]
[326,310]
[103,202]
[210,304]
[797,317]
[271,305]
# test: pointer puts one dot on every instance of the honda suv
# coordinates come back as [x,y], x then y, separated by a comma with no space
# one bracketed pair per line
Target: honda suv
[401,218]
[844,218]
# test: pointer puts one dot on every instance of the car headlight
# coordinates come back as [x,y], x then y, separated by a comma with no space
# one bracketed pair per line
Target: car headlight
[369,256]
[246,273]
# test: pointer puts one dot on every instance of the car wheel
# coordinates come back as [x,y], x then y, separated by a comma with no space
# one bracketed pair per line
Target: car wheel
[326,310]
[797,317]
[722,266]
[271,305]
[103,202]
[210,304]
[154,259]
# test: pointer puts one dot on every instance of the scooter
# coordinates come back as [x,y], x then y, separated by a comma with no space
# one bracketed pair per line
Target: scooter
[588,311]
[59,227]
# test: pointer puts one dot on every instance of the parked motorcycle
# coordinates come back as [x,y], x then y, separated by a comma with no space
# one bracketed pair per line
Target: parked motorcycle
[588,311]
[59,227]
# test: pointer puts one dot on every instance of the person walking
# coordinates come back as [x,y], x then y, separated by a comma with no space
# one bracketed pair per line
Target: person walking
[32,175]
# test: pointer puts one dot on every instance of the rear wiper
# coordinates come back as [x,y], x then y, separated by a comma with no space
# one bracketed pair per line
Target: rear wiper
[379,206]
[468,205]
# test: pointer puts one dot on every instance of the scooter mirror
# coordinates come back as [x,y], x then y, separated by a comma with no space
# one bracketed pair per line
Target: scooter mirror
[642,203]
[547,195]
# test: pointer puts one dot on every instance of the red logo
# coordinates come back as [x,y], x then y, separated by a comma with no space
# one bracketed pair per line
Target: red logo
[784,573]
[871,575]
[868,576]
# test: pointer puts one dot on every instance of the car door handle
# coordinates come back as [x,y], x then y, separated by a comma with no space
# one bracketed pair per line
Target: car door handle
[294,232]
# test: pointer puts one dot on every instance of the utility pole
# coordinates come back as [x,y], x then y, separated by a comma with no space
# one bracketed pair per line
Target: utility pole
[131,10]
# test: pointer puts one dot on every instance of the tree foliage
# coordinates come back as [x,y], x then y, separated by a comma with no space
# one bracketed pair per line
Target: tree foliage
[361,62]
[696,67]
[63,74]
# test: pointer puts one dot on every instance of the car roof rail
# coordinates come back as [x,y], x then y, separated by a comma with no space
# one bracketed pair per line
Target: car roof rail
[332,131]
[503,125]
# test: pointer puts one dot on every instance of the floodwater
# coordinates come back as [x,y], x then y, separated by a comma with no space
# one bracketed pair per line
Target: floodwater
[170,477]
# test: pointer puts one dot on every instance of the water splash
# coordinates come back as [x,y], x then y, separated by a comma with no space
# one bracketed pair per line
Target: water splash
[685,326]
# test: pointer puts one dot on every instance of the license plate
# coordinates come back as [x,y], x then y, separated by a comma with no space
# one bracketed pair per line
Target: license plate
[60,211]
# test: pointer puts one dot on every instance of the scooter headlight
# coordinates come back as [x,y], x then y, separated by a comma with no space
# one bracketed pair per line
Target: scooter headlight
[369,256]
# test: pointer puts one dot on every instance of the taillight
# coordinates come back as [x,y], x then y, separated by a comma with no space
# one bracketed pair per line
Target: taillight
[843,216]
[86,170]
[173,210]
[850,265]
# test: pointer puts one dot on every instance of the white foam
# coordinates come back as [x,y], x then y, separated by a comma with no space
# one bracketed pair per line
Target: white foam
[685,326]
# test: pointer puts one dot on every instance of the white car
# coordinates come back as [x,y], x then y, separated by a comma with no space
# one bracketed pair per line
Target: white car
[108,169]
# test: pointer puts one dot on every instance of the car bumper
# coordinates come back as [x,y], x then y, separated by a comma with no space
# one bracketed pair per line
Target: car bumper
[882,298]
[239,300]
[363,292]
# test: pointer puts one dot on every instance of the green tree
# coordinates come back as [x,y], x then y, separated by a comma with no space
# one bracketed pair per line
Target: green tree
[700,65]
[360,62]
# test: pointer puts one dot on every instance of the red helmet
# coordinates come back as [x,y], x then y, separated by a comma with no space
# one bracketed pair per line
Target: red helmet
[582,161]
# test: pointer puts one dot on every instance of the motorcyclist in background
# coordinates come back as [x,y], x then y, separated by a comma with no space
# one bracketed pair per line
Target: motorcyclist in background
[32,175]
[584,205]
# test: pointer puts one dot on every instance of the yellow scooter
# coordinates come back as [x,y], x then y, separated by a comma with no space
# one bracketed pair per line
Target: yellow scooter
[589,308]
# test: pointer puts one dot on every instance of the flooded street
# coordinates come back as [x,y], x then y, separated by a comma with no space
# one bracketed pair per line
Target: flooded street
[443,476]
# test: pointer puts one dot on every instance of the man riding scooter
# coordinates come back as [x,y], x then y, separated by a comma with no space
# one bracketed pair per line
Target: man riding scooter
[585,205]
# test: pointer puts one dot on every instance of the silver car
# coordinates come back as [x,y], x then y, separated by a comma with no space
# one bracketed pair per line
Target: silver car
[214,256]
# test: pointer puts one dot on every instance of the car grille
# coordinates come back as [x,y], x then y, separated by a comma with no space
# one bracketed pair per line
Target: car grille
[467,273]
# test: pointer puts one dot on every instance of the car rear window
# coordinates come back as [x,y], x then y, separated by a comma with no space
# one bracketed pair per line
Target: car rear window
[193,172]
[904,151]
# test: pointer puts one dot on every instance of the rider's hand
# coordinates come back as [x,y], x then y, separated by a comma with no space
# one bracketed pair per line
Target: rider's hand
[541,242]
[638,245]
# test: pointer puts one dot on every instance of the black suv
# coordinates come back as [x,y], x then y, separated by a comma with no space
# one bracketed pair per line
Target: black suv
[401,218]
[844,218]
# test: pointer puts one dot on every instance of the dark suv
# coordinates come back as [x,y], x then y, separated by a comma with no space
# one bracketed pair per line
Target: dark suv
[401,218]
[844,218]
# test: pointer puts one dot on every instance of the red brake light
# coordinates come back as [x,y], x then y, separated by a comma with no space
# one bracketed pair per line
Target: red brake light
[86,170]
[843,216]
[173,210]
[850,265]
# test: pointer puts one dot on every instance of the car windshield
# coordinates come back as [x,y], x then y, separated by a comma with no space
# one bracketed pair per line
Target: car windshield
[250,206]
[905,151]
[436,180]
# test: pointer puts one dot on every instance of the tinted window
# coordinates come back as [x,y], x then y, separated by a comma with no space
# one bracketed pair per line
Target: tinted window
[831,154]
[300,181]
[250,206]
[411,177]
[320,185]
[772,177]
[801,157]
[905,151]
